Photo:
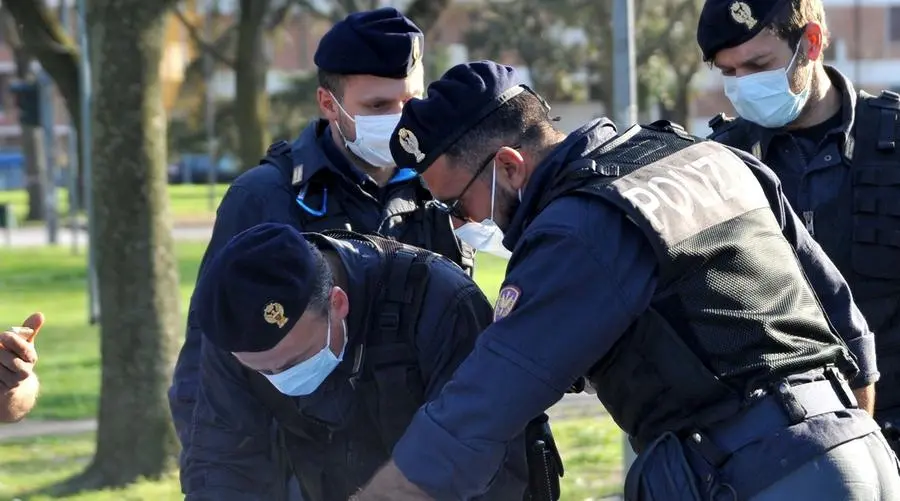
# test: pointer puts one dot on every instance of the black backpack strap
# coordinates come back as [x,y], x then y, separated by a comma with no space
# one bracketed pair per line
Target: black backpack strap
[394,360]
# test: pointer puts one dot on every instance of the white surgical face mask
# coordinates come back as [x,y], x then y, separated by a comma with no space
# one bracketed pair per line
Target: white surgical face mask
[486,236]
[765,98]
[305,377]
[373,137]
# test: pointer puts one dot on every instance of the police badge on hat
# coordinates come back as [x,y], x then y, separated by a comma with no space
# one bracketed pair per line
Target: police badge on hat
[506,301]
[742,14]
[410,143]
[273,313]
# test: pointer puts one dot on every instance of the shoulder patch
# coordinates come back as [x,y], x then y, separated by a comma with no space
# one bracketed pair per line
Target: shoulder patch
[506,301]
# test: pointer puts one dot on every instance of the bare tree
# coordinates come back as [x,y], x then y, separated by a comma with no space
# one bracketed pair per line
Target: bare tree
[137,269]
[32,139]
[45,39]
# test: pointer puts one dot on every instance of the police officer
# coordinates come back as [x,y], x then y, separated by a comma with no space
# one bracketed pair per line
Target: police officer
[18,383]
[833,149]
[339,172]
[340,338]
[667,269]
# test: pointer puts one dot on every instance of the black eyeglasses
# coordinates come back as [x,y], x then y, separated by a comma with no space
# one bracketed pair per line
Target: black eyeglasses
[453,207]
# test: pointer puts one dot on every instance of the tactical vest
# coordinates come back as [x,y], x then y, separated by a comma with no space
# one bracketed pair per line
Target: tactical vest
[408,220]
[868,208]
[332,464]
[732,311]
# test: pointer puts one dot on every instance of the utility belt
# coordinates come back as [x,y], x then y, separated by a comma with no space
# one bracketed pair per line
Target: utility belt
[662,472]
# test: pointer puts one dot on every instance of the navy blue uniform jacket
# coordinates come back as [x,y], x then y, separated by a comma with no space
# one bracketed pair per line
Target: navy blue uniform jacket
[231,443]
[585,274]
[265,194]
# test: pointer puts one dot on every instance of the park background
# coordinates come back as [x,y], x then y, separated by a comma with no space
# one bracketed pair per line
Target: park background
[227,77]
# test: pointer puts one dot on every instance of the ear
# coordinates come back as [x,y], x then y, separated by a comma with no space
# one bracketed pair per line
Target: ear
[327,105]
[340,303]
[511,165]
[815,39]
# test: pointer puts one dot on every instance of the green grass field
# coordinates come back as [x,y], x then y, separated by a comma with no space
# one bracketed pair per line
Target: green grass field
[53,281]
[189,203]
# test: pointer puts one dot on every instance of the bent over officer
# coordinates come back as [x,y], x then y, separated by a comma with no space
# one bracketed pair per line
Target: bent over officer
[834,150]
[666,269]
[341,339]
[339,172]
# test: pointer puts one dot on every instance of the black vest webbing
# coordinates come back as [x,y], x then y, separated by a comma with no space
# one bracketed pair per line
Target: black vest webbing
[732,311]
[860,228]
[426,226]
[388,381]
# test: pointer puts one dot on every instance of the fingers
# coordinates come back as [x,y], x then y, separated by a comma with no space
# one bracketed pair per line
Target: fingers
[13,343]
[13,370]
[34,322]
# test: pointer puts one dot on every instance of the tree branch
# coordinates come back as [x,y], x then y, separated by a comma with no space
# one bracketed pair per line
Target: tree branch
[198,38]
[278,15]
[425,13]
[311,9]
[44,38]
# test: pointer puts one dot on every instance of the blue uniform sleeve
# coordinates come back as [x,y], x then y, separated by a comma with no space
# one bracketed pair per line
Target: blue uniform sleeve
[824,277]
[459,312]
[229,457]
[583,274]
[240,209]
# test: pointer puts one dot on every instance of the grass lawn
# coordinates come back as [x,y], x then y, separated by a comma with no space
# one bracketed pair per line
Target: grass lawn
[189,203]
[53,281]
[591,449]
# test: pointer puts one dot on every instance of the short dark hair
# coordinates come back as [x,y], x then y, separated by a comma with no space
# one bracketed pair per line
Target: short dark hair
[331,82]
[522,121]
[320,300]
[790,21]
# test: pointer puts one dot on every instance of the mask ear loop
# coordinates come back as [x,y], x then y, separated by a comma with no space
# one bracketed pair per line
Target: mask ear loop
[328,336]
[493,186]
[338,122]
[787,69]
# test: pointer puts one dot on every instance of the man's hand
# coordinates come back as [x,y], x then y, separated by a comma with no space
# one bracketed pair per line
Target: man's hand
[18,383]
[389,484]
[865,398]
[17,353]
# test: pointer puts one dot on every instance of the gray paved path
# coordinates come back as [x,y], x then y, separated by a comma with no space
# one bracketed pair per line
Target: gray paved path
[571,406]
[36,236]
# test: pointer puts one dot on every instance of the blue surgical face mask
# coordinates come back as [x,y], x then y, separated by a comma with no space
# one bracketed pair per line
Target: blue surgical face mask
[373,137]
[765,98]
[305,377]
[486,236]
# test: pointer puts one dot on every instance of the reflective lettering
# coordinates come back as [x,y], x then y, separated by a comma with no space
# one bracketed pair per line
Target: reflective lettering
[708,181]
[685,206]
[645,201]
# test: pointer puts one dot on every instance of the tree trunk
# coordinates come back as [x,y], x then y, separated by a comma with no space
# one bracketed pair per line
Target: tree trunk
[426,12]
[35,173]
[43,37]
[137,269]
[251,101]
[680,112]
[32,140]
